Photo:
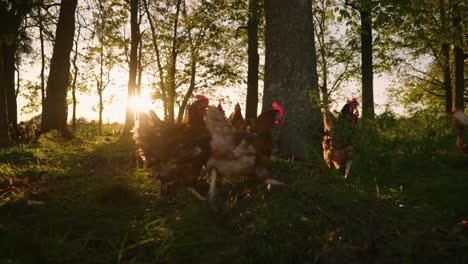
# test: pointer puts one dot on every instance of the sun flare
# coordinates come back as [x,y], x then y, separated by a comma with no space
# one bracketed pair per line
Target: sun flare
[140,104]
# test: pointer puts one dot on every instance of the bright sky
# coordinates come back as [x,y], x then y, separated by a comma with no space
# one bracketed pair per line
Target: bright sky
[115,110]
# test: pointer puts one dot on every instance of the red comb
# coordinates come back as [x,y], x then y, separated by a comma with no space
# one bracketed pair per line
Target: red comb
[353,100]
[220,107]
[203,98]
[278,108]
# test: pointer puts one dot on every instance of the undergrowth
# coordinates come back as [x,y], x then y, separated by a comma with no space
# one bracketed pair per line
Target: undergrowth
[90,200]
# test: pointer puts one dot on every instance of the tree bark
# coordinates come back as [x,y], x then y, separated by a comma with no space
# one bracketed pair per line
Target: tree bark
[5,139]
[366,64]
[171,93]
[253,58]
[133,65]
[193,71]
[10,21]
[158,59]
[54,113]
[41,38]
[9,60]
[75,77]
[291,73]
[459,58]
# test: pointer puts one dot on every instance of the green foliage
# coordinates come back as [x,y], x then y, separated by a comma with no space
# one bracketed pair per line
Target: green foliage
[337,63]
[426,132]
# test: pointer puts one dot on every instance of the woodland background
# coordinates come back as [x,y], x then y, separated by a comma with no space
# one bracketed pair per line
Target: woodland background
[77,194]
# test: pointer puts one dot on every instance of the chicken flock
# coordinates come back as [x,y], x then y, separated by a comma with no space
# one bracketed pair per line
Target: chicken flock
[207,140]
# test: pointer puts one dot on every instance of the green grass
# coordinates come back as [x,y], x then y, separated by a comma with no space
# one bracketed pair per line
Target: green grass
[100,206]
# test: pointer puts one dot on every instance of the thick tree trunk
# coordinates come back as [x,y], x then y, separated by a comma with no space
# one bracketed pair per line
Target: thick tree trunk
[366,64]
[252,73]
[54,113]
[133,65]
[9,59]
[459,57]
[10,21]
[291,74]
[5,139]
[459,79]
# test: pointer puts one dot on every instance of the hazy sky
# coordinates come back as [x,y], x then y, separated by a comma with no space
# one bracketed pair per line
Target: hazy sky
[115,111]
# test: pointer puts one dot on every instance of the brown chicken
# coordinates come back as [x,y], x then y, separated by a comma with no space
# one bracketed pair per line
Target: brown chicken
[247,155]
[237,120]
[338,150]
[175,153]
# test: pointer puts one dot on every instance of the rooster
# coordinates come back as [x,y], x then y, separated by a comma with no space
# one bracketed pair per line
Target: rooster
[460,120]
[240,156]
[237,120]
[337,147]
[175,152]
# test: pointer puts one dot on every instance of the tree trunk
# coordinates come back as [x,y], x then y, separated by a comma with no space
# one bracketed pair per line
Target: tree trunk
[101,109]
[366,64]
[459,57]
[5,139]
[193,71]
[41,38]
[253,57]
[54,113]
[9,59]
[10,19]
[75,77]
[171,93]
[290,73]
[158,59]
[100,87]
[133,64]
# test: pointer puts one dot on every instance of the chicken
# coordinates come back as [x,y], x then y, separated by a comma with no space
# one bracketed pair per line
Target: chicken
[337,146]
[247,155]
[237,120]
[460,120]
[220,108]
[175,153]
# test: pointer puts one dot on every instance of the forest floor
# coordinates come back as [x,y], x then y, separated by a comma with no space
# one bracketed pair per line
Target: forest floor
[91,201]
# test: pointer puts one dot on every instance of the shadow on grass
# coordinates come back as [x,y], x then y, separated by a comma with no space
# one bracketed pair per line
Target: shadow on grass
[105,210]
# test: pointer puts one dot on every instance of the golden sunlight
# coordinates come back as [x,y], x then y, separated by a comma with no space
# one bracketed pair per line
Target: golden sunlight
[140,104]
